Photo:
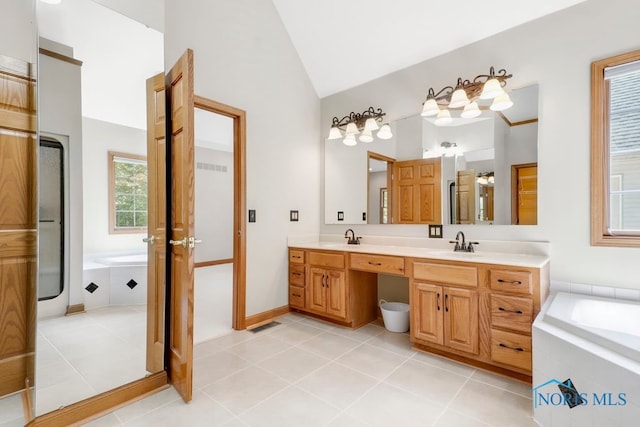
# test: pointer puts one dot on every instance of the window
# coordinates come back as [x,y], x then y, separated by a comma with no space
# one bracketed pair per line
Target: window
[615,151]
[127,193]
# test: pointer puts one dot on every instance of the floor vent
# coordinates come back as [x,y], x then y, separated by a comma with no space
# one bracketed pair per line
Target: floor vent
[265,326]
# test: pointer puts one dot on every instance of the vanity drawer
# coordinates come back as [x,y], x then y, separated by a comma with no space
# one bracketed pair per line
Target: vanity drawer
[449,274]
[511,349]
[378,263]
[296,275]
[518,282]
[511,312]
[296,296]
[296,256]
[324,259]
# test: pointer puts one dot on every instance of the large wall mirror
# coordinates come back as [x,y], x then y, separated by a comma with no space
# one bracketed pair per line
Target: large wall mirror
[93,65]
[470,171]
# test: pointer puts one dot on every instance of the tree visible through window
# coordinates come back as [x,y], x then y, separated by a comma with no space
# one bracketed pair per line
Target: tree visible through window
[128,193]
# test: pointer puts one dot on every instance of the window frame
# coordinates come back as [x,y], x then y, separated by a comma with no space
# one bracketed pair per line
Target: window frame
[112,189]
[600,156]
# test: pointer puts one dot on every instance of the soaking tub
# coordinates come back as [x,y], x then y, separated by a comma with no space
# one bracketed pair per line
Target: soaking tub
[593,345]
[121,279]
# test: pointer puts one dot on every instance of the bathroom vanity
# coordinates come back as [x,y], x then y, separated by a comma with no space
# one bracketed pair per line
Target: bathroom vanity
[476,308]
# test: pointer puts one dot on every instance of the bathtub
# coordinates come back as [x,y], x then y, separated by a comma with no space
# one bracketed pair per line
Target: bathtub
[595,343]
[121,279]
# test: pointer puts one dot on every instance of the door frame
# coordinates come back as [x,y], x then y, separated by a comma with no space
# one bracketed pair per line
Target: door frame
[238,321]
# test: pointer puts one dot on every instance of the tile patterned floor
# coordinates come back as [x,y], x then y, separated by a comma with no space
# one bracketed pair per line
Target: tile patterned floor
[306,372]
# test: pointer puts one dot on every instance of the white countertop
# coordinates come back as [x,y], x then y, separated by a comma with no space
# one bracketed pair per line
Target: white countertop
[488,257]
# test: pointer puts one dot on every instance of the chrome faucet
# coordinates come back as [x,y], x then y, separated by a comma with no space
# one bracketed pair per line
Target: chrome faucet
[462,246]
[353,240]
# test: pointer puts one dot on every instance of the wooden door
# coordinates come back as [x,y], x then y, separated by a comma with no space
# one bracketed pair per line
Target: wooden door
[524,200]
[181,103]
[466,196]
[156,238]
[461,319]
[427,312]
[336,289]
[18,224]
[316,295]
[417,191]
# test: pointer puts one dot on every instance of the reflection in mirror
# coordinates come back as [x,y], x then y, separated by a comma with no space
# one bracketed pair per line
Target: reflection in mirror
[93,66]
[380,182]
[488,166]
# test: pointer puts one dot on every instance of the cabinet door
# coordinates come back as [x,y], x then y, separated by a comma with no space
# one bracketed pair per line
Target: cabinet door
[336,293]
[427,308]
[461,319]
[316,296]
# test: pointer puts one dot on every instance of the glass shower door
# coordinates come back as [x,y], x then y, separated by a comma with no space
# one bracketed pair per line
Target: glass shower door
[51,232]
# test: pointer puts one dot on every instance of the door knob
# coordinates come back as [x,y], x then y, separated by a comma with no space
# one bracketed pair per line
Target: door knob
[193,241]
[150,240]
[182,242]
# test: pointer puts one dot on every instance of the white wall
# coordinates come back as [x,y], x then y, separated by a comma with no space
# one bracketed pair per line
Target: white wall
[99,138]
[60,114]
[555,51]
[243,57]
[18,30]
[377,180]
[214,205]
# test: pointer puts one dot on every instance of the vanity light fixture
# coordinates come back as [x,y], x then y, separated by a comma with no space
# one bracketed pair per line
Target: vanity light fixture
[364,123]
[485,178]
[465,94]
[51,1]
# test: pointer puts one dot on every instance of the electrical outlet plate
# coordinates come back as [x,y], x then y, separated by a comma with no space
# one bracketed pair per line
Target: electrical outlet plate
[293,216]
[435,231]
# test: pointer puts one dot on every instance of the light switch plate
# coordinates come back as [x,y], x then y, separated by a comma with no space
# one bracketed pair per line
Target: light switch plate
[435,231]
[252,215]
[293,216]
[340,216]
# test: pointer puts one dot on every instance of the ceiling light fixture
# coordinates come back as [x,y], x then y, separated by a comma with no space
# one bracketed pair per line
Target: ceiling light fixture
[465,94]
[355,123]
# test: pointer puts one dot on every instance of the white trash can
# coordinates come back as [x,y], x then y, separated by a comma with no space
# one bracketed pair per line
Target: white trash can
[395,316]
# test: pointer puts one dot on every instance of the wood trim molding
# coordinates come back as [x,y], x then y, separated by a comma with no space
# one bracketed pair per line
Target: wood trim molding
[239,200]
[214,262]
[265,317]
[75,309]
[520,123]
[97,406]
[600,235]
[59,56]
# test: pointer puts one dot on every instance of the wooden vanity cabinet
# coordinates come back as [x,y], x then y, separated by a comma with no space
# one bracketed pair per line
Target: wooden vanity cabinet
[444,315]
[514,303]
[297,279]
[321,284]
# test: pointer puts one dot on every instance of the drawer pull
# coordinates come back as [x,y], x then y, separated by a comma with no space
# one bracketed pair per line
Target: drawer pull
[510,311]
[296,256]
[296,295]
[511,348]
[375,263]
[296,273]
[513,282]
